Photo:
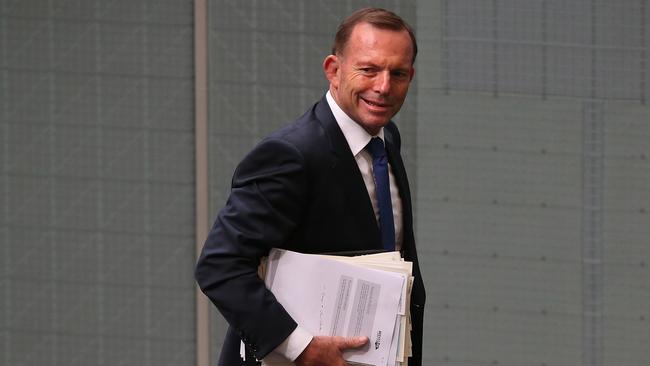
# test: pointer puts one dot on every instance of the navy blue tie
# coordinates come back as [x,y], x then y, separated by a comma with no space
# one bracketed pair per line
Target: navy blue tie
[382,184]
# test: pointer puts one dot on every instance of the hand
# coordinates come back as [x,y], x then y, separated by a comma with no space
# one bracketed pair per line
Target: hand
[327,351]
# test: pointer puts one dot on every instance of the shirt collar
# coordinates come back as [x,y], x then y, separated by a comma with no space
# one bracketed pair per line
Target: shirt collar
[355,135]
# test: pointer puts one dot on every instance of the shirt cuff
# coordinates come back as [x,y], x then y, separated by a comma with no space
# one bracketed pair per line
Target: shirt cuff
[295,343]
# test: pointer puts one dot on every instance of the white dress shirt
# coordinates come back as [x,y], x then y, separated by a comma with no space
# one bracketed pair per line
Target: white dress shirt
[357,139]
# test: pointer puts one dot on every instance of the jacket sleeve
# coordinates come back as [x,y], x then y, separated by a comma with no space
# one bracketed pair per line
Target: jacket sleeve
[266,202]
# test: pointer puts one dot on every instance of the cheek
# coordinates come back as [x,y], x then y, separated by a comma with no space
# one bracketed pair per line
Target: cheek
[401,90]
[357,83]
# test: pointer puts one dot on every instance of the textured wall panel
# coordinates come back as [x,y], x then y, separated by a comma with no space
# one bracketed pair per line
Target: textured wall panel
[580,48]
[626,232]
[512,184]
[499,196]
[97,183]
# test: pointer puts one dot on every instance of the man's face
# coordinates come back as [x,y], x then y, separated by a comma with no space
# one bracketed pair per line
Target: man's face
[370,78]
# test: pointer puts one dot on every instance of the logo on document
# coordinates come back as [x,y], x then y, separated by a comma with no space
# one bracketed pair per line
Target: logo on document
[378,340]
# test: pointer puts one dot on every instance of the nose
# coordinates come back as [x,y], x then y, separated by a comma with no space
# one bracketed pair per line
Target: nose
[382,82]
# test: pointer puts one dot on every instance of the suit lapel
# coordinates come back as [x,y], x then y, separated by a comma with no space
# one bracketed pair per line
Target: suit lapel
[397,166]
[346,172]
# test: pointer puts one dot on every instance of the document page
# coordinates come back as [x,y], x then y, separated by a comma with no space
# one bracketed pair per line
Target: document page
[391,261]
[330,297]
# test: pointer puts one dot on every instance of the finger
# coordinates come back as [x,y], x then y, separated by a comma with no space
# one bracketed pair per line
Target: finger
[352,342]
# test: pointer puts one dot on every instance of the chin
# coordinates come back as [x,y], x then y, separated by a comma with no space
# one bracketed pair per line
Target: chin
[374,127]
[378,123]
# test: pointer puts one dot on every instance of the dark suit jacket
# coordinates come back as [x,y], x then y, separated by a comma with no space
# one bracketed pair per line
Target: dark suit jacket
[299,189]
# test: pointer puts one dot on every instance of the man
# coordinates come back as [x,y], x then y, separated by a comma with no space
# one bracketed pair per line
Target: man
[310,187]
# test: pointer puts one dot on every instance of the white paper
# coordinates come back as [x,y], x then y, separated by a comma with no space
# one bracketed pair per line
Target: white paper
[329,297]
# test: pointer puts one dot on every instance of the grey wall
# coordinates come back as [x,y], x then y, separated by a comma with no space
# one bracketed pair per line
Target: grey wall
[526,140]
[96,183]
[532,173]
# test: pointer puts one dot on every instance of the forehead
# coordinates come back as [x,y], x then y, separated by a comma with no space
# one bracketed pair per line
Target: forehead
[368,40]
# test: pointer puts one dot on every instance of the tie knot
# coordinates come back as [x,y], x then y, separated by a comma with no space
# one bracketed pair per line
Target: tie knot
[376,148]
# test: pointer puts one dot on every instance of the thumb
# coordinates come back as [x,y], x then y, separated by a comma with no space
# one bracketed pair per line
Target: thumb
[353,342]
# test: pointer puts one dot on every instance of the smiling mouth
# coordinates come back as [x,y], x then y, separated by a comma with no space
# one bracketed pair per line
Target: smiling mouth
[375,104]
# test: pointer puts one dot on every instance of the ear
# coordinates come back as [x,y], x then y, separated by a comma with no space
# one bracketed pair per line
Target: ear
[331,67]
[412,73]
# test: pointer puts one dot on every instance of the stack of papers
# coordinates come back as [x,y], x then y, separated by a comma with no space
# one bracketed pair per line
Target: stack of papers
[365,295]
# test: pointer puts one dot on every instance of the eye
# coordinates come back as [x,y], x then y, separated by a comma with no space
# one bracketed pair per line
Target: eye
[400,74]
[367,70]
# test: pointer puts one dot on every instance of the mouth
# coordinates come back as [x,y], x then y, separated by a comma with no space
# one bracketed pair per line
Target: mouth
[376,105]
